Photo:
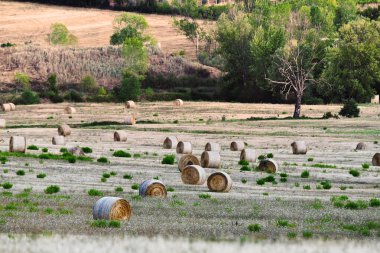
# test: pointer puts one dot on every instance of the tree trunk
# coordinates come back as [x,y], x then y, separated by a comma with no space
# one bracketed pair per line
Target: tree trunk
[297,107]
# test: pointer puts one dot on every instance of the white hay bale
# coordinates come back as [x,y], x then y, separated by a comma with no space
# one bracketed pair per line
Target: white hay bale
[268,165]
[130,104]
[375,99]
[376,159]
[186,160]
[170,142]
[17,144]
[193,174]
[184,147]
[120,136]
[178,102]
[237,145]
[64,130]
[248,155]
[219,182]
[13,106]
[58,140]
[130,120]
[112,208]
[212,146]
[153,188]
[70,110]
[2,123]
[210,159]
[6,107]
[299,147]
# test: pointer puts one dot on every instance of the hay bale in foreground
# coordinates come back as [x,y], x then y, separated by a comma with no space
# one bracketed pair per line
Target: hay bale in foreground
[376,159]
[2,123]
[13,106]
[248,155]
[130,120]
[219,182]
[193,174]
[170,142]
[212,146]
[210,159]
[70,110]
[187,160]
[184,147]
[299,147]
[237,145]
[130,104]
[6,107]
[120,136]
[361,146]
[375,99]
[268,165]
[64,130]
[153,188]
[58,140]
[178,102]
[17,144]
[112,208]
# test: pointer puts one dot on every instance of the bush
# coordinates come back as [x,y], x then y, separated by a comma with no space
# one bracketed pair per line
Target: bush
[374,202]
[74,96]
[41,175]
[243,162]
[88,84]
[20,173]
[102,160]
[94,192]
[135,186]
[45,150]
[7,185]
[168,159]
[72,159]
[52,189]
[121,153]
[119,189]
[305,174]
[87,150]
[127,176]
[365,166]
[130,88]
[254,228]
[23,80]
[204,196]
[354,173]
[63,150]
[28,97]
[60,35]
[32,147]
[350,109]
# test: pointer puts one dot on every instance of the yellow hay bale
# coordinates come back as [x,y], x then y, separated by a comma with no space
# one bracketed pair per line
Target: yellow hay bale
[193,174]
[6,107]
[70,110]
[219,182]
[237,145]
[130,104]
[64,130]
[210,159]
[130,120]
[2,123]
[58,140]
[170,142]
[17,144]
[178,102]
[299,147]
[376,159]
[112,208]
[153,188]
[212,146]
[361,146]
[268,165]
[120,136]
[248,155]
[187,160]
[184,147]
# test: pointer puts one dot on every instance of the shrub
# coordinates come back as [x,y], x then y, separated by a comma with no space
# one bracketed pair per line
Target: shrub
[119,189]
[310,159]
[305,174]
[32,147]
[73,95]
[7,185]
[52,189]
[254,228]
[354,173]
[135,186]
[204,196]
[23,80]
[270,155]
[170,189]
[127,176]
[60,35]
[28,97]
[20,173]
[326,185]
[306,187]
[136,155]
[63,150]
[88,84]
[71,159]
[245,168]
[374,202]
[113,173]
[168,159]
[87,150]
[365,166]
[283,179]
[106,175]
[41,175]
[102,159]
[260,181]
[307,234]
[243,162]
[244,181]
[106,224]
[45,150]
[350,109]
[121,153]
[130,88]
[94,192]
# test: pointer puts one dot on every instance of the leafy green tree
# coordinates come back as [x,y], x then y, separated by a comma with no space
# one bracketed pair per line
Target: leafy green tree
[52,81]
[88,84]
[60,35]
[128,26]
[136,56]
[23,80]
[130,88]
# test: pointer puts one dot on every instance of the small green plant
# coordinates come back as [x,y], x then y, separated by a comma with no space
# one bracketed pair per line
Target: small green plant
[63,150]
[127,176]
[72,159]
[113,173]
[322,166]
[292,235]
[270,155]
[87,150]
[119,189]
[7,185]
[297,184]
[94,192]
[136,155]
[305,174]
[284,223]
[106,175]
[261,157]
[245,168]
[283,179]
[254,228]
[45,150]
[310,159]
[374,202]
[41,175]
[243,162]
[103,179]
[365,165]
[121,153]
[5,171]
[32,147]
[102,159]
[350,109]
[354,173]
[170,189]
[52,189]
[135,186]
[20,173]
[106,224]
[307,234]
[244,181]
[326,185]
[168,159]
[306,187]
[204,196]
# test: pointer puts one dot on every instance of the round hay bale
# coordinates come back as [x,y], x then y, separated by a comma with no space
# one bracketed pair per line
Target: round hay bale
[248,155]
[130,120]
[178,102]
[112,208]
[268,165]
[212,146]
[70,110]
[153,188]
[13,106]
[170,142]
[120,136]
[184,147]
[299,147]
[6,107]
[237,145]
[58,140]
[2,123]
[130,104]
[64,130]
[361,146]
[187,160]
[193,174]
[210,159]
[376,159]
[17,144]
[219,182]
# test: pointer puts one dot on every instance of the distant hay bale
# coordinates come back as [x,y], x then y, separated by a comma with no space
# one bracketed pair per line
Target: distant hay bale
[153,188]
[212,146]
[237,145]
[130,104]
[375,99]
[178,102]
[376,159]
[70,110]
[130,120]
[58,140]
[299,147]
[361,146]
[13,107]
[184,147]
[64,130]
[112,208]
[219,182]
[248,155]
[268,165]
[17,144]
[6,107]
[210,159]
[187,160]
[120,136]
[170,142]
[2,123]
[193,174]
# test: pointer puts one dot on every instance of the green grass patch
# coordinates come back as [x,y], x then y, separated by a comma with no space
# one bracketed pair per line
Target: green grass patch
[52,189]
[94,192]
[323,166]
[121,153]
[168,159]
